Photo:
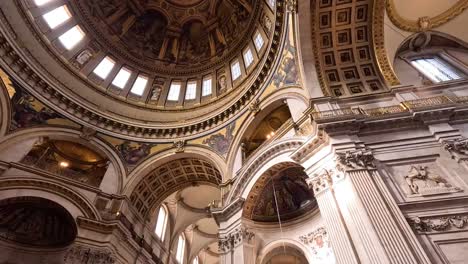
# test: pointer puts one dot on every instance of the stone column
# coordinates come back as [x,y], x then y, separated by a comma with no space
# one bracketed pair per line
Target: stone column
[340,239]
[372,215]
[237,246]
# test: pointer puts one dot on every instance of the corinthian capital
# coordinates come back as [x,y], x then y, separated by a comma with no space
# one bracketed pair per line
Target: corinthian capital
[321,182]
[355,160]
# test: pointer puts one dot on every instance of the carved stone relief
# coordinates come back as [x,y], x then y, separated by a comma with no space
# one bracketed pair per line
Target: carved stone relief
[457,147]
[423,180]
[235,238]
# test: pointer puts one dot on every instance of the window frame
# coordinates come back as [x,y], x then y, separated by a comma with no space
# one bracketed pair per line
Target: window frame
[180,251]
[204,91]
[239,71]
[174,84]
[443,58]
[164,223]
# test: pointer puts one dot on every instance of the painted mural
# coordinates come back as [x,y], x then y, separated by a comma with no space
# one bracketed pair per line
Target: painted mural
[287,73]
[319,244]
[220,141]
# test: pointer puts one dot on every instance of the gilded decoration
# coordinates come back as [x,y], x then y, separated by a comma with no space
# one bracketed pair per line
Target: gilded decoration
[424,23]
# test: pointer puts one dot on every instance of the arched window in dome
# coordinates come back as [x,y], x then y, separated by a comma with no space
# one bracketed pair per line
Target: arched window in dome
[72,37]
[180,249]
[174,91]
[139,85]
[104,67]
[258,40]
[207,86]
[235,70]
[122,77]
[57,17]
[191,91]
[248,57]
[41,2]
[161,223]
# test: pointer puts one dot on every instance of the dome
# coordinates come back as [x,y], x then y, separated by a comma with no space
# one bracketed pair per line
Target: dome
[157,69]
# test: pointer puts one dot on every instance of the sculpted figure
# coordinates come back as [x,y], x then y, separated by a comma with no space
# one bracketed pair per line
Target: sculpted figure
[420,177]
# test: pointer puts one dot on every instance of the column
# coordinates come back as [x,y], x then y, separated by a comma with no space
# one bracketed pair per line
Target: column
[237,246]
[371,213]
[340,239]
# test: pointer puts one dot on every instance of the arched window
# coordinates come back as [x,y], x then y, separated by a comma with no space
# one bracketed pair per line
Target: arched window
[161,222]
[195,260]
[436,69]
[180,249]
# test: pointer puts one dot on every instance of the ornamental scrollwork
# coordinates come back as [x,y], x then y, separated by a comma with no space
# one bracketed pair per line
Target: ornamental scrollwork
[235,238]
[438,224]
[355,160]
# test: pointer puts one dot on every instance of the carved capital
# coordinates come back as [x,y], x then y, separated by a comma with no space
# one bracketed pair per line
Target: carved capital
[322,182]
[354,160]
[179,146]
[291,6]
[237,237]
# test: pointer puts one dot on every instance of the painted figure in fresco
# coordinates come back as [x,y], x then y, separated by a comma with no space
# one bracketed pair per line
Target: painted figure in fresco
[131,154]
[220,142]
[25,115]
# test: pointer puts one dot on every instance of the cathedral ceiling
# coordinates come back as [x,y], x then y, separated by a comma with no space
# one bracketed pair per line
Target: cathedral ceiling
[164,42]
[170,177]
[348,37]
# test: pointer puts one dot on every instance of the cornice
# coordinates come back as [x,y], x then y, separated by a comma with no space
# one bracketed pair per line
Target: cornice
[17,62]
[424,23]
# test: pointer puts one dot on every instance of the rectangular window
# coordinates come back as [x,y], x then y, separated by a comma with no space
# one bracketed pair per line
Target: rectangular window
[41,2]
[191,92]
[174,92]
[104,68]
[235,70]
[248,58]
[207,86]
[161,223]
[436,69]
[72,37]
[57,16]
[180,250]
[122,78]
[139,85]
[258,41]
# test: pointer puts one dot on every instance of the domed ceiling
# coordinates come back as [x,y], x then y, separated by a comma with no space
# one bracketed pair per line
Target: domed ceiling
[170,36]
[150,70]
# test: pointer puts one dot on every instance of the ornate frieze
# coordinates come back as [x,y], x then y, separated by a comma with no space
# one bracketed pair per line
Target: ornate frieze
[355,160]
[321,182]
[438,223]
[87,255]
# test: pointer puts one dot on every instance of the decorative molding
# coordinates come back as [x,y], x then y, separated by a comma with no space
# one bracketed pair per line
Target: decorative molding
[80,254]
[378,38]
[223,214]
[310,146]
[355,160]
[438,223]
[234,239]
[457,146]
[422,181]
[322,182]
[179,145]
[424,23]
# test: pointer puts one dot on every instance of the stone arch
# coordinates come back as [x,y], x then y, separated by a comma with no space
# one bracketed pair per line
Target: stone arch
[25,139]
[34,227]
[75,203]
[166,173]
[277,247]
[278,152]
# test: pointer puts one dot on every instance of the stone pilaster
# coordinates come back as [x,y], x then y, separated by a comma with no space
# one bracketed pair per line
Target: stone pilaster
[341,242]
[237,246]
[373,215]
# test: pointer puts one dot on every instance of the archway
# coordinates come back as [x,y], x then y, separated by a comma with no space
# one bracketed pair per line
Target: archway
[34,229]
[285,255]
